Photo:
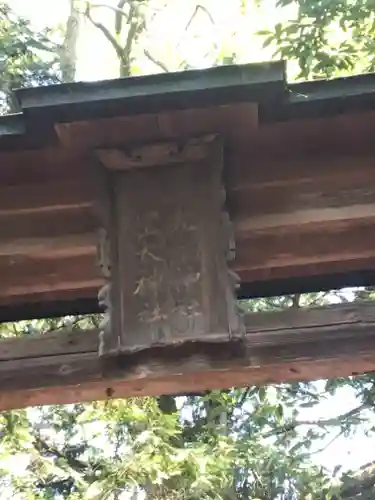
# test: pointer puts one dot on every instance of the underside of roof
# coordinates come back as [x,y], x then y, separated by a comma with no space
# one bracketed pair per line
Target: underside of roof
[299,171]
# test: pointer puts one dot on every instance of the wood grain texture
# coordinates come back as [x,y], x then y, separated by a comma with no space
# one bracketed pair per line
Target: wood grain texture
[156,154]
[228,120]
[169,241]
[300,194]
[63,367]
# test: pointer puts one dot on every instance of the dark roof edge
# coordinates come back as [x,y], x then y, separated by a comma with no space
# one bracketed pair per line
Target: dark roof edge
[13,124]
[258,82]
[264,83]
[320,98]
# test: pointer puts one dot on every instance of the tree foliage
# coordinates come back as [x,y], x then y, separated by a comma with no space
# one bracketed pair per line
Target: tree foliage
[254,442]
[27,58]
[327,38]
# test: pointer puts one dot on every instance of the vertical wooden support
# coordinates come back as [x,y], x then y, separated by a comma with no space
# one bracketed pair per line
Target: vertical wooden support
[164,246]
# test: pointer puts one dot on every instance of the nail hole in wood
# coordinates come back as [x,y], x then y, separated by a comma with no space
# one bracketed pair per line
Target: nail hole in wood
[109,392]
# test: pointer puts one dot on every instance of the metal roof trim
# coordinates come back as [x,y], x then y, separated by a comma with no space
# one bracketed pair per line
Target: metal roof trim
[149,94]
[321,98]
[263,83]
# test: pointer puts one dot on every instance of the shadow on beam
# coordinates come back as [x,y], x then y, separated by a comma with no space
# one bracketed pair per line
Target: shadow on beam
[49,309]
[257,289]
[310,284]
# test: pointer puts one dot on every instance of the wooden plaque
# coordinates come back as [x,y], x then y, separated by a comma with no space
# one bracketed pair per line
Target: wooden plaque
[165,246]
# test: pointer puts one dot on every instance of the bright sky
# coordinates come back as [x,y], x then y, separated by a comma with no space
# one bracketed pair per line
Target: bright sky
[96,61]
[232,30]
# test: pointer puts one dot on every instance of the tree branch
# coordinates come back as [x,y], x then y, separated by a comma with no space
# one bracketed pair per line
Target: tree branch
[296,300]
[116,10]
[334,420]
[119,15]
[191,19]
[42,446]
[196,10]
[320,423]
[131,37]
[132,31]
[157,62]
[356,486]
[331,441]
[107,34]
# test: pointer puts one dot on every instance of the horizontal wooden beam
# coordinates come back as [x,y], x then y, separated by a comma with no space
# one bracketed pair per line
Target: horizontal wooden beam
[37,277]
[351,273]
[45,196]
[43,165]
[68,300]
[338,134]
[310,247]
[313,191]
[31,268]
[46,224]
[20,250]
[295,215]
[325,218]
[308,283]
[64,367]
[227,119]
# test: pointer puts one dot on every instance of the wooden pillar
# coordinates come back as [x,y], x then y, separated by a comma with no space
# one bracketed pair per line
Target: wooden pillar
[164,245]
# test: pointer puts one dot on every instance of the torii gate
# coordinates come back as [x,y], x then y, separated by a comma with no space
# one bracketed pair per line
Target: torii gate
[170,197]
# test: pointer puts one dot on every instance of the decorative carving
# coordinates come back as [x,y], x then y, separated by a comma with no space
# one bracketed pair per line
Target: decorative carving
[235,313]
[104,295]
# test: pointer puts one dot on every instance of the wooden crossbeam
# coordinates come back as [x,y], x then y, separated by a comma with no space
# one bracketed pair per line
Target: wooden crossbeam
[319,222]
[64,367]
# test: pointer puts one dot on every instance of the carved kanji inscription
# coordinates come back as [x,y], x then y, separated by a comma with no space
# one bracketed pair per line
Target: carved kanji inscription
[170,239]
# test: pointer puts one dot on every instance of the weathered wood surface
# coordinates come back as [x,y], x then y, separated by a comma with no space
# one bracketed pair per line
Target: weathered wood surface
[157,154]
[168,238]
[301,196]
[63,367]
